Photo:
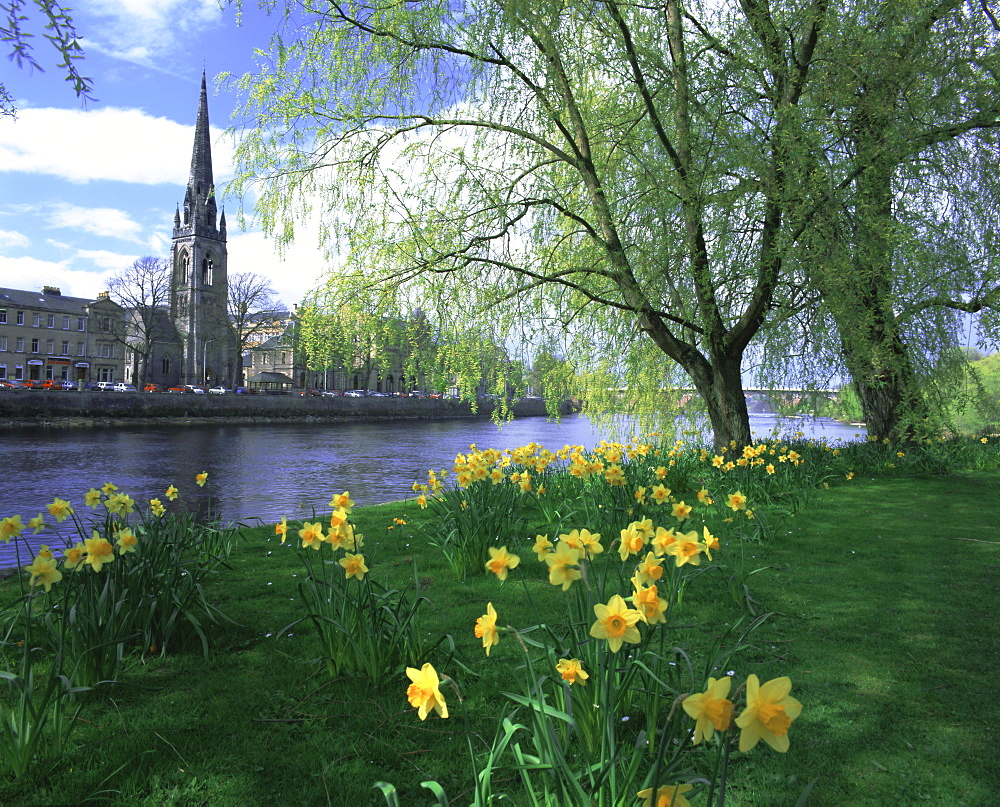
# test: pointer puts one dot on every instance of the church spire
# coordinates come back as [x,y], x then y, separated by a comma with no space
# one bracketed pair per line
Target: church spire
[200,181]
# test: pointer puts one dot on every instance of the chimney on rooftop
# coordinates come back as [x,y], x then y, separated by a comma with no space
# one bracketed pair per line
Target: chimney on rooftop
[53,290]
[104,295]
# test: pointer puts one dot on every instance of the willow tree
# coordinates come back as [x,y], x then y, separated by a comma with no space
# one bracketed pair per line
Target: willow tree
[905,112]
[625,173]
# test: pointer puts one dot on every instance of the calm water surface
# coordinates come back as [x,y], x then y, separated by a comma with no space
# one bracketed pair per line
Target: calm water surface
[266,471]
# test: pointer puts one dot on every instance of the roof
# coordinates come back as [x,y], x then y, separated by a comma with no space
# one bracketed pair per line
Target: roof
[36,300]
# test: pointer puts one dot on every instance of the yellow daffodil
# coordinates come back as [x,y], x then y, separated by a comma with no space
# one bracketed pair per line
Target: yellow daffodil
[769,468]
[201,479]
[710,709]
[737,501]
[342,501]
[60,509]
[156,507]
[424,692]
[651,607]
[615,476]
[311,534]
[709,542]
[92,498]
[10,527]
[43,572]
[126,540]
[686,549]
[571,670]
[501,561]
[171,493]
[108,488]
[354,566]
[631,541]
[282,529]
[615,623]
[37,524]
[99,551]
[660,494]
[44,552]
[681,511]
[422,501]
[662,540]
[850,475]
[119,504]
[666,796]
[650,570]
[704,498]
[486,628]
[338,518]
[591,542]
[563,565]
[543,546]
[769,712]
[73,558]
[661,472]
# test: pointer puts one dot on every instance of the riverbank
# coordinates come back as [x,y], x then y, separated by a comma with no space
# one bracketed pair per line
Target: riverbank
[103,409]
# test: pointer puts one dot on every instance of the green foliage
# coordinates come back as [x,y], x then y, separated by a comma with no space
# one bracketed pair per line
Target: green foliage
[59,32]
[978,411]
[365,628]
[39,707]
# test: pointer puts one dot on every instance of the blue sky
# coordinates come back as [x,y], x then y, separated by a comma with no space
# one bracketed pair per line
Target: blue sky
[87,189]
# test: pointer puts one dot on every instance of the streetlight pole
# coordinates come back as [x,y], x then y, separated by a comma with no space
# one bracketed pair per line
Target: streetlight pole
[204,361]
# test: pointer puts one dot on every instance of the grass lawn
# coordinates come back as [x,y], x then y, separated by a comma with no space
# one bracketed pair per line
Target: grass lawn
[888,599]
[885,598]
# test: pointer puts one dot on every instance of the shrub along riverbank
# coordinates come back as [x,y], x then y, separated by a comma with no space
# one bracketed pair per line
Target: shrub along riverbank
[873,593]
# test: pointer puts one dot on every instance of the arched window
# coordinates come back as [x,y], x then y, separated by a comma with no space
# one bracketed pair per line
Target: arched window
[390,384]
[186,268]
[206,271]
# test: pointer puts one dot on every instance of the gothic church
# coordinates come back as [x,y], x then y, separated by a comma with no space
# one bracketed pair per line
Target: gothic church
[198,282]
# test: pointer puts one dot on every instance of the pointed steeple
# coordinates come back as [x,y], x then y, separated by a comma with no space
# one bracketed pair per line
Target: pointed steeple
[200,181]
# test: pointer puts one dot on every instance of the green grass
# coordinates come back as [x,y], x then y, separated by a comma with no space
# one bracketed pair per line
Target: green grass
[888,599]
[884,622]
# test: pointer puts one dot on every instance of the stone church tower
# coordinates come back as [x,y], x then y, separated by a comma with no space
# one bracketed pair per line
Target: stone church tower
[199,283]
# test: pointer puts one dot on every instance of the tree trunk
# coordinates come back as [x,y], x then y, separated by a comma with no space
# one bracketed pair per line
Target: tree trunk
[720,385]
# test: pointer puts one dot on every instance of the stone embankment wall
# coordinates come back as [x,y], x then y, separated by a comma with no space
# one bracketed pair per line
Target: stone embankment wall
[76,408]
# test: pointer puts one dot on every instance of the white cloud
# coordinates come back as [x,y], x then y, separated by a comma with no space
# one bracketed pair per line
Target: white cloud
[112,262]
[143,31]
[111,143]
[8,238]
[31,274]
[292,277]
[104,221]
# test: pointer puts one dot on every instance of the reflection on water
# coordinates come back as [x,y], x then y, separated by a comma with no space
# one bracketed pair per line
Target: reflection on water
[267,471]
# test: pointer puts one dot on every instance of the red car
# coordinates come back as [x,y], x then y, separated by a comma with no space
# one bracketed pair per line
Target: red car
[152,388]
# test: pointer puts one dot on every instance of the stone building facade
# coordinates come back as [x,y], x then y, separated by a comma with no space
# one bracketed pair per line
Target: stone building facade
[44,335]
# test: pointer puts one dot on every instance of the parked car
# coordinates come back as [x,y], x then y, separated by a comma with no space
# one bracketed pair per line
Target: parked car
[244,391]
[196,388]
[152,388]
[333,393]
[51,383]
[67,385]
[180,389]
[121,386]
[309,393]
[355,393]
[105,386]
[220,390]
[10,383]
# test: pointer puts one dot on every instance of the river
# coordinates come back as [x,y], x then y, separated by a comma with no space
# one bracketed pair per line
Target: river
[266,471]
